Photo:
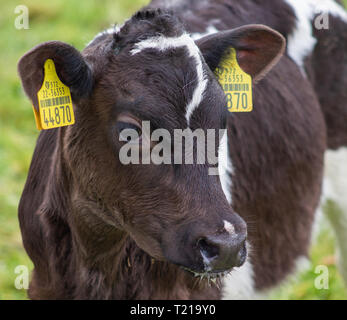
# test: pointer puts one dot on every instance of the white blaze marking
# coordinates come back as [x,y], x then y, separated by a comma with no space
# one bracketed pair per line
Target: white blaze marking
[302,42]
[229,227]
[162,43]
[225,168]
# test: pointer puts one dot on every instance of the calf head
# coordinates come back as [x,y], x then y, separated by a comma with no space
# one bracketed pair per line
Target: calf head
[151,70]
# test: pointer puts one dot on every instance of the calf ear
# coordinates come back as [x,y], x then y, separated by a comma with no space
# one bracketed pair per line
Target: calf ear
[70,65]
[258,48]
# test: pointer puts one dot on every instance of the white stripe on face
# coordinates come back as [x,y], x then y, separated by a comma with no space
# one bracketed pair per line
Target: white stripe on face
[302,42]
[229,228]
[162,43]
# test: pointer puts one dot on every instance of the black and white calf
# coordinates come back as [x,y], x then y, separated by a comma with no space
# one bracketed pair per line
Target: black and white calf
[96,228]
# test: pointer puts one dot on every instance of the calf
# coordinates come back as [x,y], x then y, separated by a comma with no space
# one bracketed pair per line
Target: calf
[322,53]
[98,229]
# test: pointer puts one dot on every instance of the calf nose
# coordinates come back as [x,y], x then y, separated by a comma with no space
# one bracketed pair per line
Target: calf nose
[223,252]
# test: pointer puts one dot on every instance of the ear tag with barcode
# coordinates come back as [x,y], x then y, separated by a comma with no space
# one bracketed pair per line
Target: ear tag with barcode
[55,104]
[236,83]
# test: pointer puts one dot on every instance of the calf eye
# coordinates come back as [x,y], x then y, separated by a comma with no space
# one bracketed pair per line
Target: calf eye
[126,126]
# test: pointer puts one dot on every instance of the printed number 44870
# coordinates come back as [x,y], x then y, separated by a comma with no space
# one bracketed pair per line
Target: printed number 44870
[57,115]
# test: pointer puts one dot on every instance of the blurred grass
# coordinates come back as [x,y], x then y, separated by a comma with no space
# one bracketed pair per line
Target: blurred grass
[77,22]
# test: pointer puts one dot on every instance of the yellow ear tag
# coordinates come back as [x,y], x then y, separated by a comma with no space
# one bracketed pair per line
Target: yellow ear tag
[55,102]
[236,83]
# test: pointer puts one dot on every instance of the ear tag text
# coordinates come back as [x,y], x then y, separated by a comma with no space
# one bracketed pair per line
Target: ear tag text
[55,104]
[236,83]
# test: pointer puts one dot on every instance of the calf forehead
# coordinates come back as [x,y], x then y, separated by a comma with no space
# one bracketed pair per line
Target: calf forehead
[194,73]
[153,59]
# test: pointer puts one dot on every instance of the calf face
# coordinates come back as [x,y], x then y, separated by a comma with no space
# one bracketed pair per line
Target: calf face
[151,70]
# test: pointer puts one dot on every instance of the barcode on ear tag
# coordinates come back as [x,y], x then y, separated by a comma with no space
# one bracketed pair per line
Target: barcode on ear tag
[236,83]
[54,97]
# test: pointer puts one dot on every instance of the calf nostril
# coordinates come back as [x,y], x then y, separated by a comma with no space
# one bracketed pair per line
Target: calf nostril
[222,252]
[209,250]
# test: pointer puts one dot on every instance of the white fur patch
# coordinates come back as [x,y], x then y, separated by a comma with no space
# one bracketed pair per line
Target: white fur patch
[229,227]
[302,264]
[335,189]
[302,42]
[335,178]
[225,168]
[239,284]
[162,43]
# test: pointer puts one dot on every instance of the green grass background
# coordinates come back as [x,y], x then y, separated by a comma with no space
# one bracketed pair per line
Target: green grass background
[76,22]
